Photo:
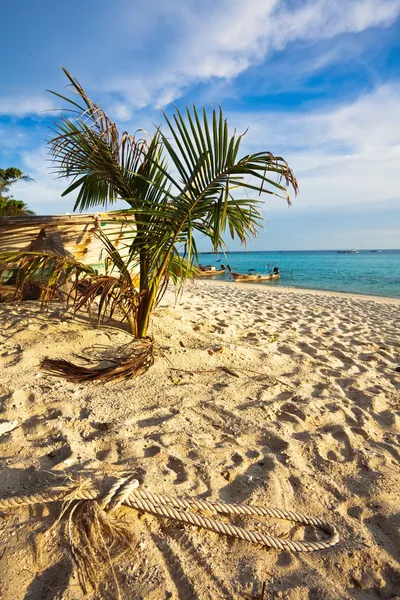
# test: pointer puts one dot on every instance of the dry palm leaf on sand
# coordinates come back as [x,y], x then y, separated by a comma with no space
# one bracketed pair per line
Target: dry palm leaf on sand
[136,361]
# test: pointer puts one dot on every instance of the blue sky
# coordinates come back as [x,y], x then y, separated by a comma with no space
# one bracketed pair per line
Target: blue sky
[316,81]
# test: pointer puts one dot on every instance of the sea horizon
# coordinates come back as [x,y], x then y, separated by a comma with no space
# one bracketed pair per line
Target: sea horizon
[308,250]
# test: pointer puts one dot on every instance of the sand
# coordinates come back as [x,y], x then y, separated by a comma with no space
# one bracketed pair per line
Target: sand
[312,424]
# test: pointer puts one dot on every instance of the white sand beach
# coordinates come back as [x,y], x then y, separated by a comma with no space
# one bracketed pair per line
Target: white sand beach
[311,423]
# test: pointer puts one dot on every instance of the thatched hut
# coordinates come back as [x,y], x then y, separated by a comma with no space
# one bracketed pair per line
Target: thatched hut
[68,235]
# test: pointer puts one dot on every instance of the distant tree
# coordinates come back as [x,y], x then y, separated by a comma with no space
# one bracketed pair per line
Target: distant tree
[13,208]
[9,206]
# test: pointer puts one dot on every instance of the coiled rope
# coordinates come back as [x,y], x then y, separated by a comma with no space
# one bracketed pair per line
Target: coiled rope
[126,491]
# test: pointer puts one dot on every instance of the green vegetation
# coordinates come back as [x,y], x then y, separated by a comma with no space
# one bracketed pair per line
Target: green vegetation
[10,207]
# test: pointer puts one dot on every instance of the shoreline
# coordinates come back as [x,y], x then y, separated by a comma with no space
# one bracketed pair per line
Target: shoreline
[286,288]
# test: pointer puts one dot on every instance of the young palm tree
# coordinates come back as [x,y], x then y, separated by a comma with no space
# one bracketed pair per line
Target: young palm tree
[188,181]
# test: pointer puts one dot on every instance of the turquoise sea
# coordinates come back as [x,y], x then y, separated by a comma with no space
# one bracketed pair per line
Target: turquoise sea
[373,273]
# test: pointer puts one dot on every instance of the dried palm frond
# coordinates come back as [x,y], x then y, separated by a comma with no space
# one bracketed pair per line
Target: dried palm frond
[111,293]
[138,360]
[82,285]
[49,267]
[96,539]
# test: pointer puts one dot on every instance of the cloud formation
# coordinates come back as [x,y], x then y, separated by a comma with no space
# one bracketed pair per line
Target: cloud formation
[225,38]
[18,106]
[348,155]
[161,49]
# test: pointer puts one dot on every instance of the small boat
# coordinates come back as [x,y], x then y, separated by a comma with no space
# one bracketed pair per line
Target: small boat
[246,277]
[206,271]
[348,251]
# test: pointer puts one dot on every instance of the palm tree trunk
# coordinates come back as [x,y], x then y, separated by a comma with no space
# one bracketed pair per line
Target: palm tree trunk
[150,295]
[145,310]
[144,270]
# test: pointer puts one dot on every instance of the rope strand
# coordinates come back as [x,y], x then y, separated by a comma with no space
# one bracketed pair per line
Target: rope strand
[126,491]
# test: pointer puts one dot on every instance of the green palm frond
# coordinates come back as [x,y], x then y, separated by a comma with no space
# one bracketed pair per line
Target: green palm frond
[210,176]
[103,164]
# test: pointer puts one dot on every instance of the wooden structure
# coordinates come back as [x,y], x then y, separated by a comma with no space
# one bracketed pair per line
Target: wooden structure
[68,235]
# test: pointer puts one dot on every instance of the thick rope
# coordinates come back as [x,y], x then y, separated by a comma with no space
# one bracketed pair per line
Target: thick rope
[126,491]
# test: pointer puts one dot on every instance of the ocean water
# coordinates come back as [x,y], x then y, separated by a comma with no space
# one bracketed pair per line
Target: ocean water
[371,273]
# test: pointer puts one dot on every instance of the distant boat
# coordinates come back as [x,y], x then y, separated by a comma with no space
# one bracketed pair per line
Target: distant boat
[375,250]
[205,271]
[245,277]
[348,251]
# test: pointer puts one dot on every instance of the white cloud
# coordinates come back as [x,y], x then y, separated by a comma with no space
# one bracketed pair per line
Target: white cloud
[362,178]
[20,106]
[121,111]
[318,19]
[43,195]
[348,155]
[370,123]
[165,47]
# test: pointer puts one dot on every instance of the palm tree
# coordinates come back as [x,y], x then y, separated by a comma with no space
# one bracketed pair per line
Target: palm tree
[177,185]
[8,205]
[10,176]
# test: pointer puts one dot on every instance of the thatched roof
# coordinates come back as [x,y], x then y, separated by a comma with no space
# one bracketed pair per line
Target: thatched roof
[66,234]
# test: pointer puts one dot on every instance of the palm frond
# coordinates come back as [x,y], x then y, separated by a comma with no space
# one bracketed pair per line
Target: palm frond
[52,269]
[85,286]
[103,164]
[138,360]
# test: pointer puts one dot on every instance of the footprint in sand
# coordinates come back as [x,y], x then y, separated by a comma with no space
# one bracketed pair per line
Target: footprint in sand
[237,459]
[273,442]
[292,409]
[335,446]
[55,457]
[252,454]
[284,349]
[340,355]
[176,465]
[102,455]
[151,451]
